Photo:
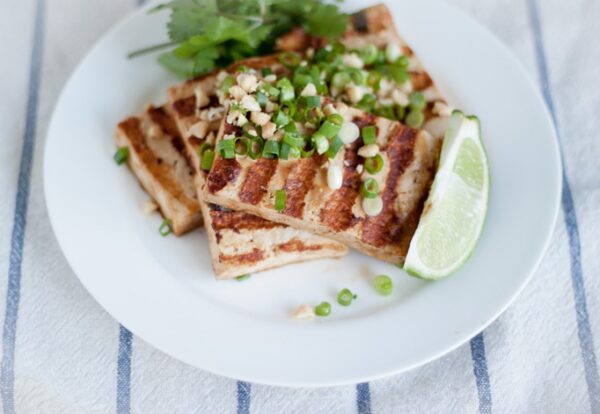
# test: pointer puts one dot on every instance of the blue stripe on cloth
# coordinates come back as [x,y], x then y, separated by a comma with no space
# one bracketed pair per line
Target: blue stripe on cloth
[124,371]
[363,398]
[9,334]
[480,370]
[586,339]
[244,392]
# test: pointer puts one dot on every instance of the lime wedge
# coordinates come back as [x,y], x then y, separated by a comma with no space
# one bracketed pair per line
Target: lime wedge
[456,208]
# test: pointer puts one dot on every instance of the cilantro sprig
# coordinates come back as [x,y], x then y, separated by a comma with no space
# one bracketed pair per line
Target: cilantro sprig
[205,34]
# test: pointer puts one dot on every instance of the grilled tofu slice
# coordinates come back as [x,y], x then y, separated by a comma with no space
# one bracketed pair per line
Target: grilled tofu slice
[375,25]
[239,242]
[156,157]
[410,158]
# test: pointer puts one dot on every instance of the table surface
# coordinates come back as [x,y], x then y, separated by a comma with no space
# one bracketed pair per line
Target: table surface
[62,353]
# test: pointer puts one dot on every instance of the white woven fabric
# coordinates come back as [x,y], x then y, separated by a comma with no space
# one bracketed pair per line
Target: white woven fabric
[62,353]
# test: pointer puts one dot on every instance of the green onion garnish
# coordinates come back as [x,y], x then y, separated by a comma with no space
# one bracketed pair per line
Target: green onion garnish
[323,309]
[334,146]
[227,83]
[383,284]
[328,129]
[301,80]
[262,99]
[280,118]
[286,90]
[271,149]
[270,90]
[369,188]
[208,156]
[369,54]
[280,199]
[374,164]
[403,61]
[417,101]
[293,140]
[256,147]
[309,102]
[242,145]
[284,152]
[369,134]
[336,119]
[345,297]
[226,148]
[266,71]
[165,228]
[242,277]
[414,119]
[340,80]
[321,143]
[121,155]
[400,112]
[367,102]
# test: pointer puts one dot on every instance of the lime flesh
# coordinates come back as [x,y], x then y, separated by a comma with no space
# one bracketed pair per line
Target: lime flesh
[456,208]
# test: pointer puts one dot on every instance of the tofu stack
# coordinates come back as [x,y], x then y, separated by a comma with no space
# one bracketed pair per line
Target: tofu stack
[174,154]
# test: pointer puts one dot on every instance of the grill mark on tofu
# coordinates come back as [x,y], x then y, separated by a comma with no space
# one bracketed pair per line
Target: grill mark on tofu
[256,183]
[298,183]
[296,245]
[420,80]
[360,22]
[236,221]
[256,255]
[161,118]
[384,228]
[132,128]
[185,106]
[337,213]
[222,173]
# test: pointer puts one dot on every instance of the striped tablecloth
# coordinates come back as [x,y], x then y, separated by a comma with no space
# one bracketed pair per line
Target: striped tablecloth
[62,353]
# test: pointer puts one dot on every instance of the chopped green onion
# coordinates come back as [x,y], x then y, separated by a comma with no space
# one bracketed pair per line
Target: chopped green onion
[291,128]
[400,112]
[271,149]
[286,90]
[367,102]
[241,278]
[280,199]
[417,101]
[204,147]
[226,148]
[386,112]
[329,129]
[309,102]
[243,69]
[383,284]
[369,54]
[307,153]
[414,119]
[208,156]
[369,134]
[315,74]
[270,90]
[301,80]
[242,145]
[345,297]
[165,228]
[402,61]
[321,143]
[121,155]
[290,59]
[227,83]
[284,152]
[340,80]
[334,146]
[266,71]
[262,99]
[280,118]
[294,153]
[256,147]
[359,77]
[374,80]
[374,164]
[336,119]
[397,73]
[323,309]
[369,188]
[293,140]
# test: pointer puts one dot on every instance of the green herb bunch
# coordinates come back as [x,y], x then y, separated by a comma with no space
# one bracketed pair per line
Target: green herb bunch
[206,34]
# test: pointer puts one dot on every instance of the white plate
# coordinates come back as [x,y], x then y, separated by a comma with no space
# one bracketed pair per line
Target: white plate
[162,289]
